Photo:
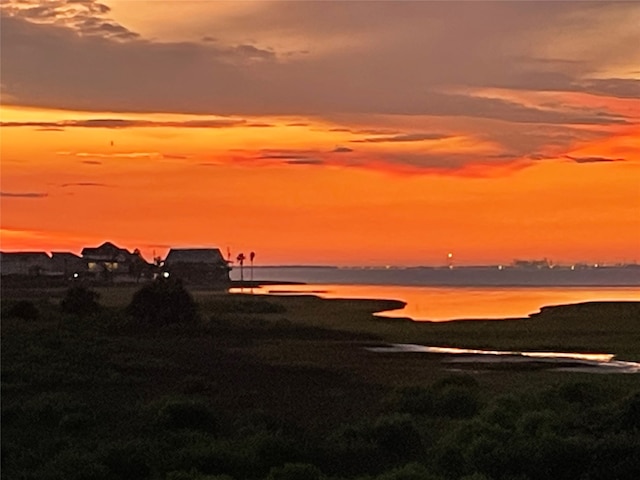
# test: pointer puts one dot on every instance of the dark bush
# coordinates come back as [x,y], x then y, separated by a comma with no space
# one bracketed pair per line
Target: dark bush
[295,471]
[397,435]
[76,422]
[23,309]
[576,393]
[630,412]
[456,380]
[128,461]
[189,414]
[72,464]
[163,302]
[457,402]
[415,400]
[194,475]
[412,471]
[351,451]
[80,301]
[616,456]
[268,449]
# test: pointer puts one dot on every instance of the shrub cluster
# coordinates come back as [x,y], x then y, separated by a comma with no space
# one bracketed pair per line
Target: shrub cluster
[80,301]
[22,309]
[163,302]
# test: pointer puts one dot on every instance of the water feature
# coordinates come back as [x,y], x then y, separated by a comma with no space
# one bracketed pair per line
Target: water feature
[562,361]
[441,303]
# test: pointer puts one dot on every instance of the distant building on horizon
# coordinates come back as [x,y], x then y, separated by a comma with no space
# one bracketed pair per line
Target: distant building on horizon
[202,266]
[67,264]
[532,264]
[24,263]
[110,261]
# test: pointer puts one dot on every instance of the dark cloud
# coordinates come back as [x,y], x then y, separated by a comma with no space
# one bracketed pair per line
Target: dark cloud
[614,87]
[453,163]
[342,150]
[287,157]
[174,157]
[305,161]
[593,159]
[365,131]
[253,53]
[83,184]
[402,77]
[23,194]
[115,123]
[409,137]
[283,154]
[84,17]
[260,125]
[91,162]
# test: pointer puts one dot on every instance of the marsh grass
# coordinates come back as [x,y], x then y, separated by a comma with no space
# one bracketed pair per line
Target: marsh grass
[285,389]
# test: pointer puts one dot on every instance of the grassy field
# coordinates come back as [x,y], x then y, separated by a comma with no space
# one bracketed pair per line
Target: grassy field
[284,388]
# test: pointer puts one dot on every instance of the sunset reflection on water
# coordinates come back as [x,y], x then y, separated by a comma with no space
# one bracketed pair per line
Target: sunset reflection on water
[450,303]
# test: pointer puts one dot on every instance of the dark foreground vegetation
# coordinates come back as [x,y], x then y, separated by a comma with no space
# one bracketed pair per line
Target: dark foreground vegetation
[107,385]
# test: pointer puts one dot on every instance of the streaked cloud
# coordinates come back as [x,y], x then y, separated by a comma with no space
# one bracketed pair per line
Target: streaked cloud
[116,123]
[111,155]
[593,159]
[408,137]
[83,184]
[24,194]
[304,161]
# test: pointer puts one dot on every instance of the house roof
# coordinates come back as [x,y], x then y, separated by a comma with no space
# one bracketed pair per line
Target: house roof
[24,256]
[107,249]
[195,255]
[65,255]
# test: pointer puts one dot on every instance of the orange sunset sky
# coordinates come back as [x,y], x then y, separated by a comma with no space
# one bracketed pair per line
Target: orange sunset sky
[349,133]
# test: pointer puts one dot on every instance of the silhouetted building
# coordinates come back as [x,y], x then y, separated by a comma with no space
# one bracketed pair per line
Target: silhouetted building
[532,264]
[24,263]
[67,264]
[109,261]
[204,266]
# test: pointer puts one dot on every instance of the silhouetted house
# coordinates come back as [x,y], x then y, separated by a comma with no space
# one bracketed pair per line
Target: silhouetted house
[109,261]
[204,266]
[532,264]
[24,263]
[67,264]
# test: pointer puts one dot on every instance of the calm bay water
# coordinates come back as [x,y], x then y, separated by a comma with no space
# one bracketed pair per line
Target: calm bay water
[440,295]
[449,303]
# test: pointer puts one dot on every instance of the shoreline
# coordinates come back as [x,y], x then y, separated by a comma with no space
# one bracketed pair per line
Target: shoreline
[442,303]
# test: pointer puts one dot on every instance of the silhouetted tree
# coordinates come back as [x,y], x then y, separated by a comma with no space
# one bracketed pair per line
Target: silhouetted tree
[80,301]
[241,258]
[137,265]
[252,255]
[163,302]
